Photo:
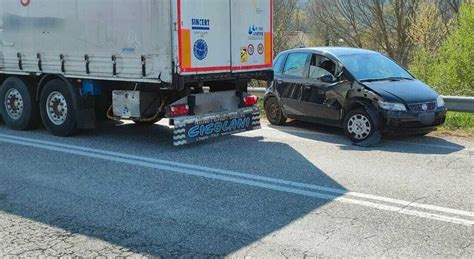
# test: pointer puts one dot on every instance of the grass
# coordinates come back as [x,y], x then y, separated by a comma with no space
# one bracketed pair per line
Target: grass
[457,123]
[262,110]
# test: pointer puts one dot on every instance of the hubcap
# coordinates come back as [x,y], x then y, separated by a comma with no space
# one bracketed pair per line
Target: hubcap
[56,108]
[359,126]
[273,111]
[14,103]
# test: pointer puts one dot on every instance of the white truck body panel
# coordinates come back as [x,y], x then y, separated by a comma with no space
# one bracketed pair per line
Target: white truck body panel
[251,34]
[204,36]
[127,29]
[174,36]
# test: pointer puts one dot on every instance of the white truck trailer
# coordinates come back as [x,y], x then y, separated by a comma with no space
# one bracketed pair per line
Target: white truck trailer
[68,63]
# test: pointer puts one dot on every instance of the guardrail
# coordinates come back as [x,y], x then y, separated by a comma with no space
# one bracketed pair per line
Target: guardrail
[454,103]
[459,103]
[257,91]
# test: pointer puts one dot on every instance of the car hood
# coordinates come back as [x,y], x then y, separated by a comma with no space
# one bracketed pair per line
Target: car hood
[406,91]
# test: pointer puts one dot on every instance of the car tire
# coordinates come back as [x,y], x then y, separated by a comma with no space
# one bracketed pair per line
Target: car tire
[17,104]
[57,109]
[274,112]
[361,124]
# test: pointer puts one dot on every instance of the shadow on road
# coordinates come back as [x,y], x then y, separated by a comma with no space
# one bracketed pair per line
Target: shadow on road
[159,212]
[397,144]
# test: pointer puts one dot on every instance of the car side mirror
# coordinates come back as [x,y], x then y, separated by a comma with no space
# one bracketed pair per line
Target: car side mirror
[327,79]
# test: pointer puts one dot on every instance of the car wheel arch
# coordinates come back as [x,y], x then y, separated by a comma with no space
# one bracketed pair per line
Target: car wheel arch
[356,103]
[271,95]
[370,107]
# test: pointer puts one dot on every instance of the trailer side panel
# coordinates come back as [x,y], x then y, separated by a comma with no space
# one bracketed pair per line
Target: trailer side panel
[107,39]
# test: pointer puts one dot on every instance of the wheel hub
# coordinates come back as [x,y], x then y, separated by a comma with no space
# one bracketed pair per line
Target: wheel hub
[359,126]
[274,111]
[56,108]
[14,103]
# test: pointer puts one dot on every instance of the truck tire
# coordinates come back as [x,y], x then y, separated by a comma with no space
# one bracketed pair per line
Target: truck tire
[17,104]
[360,124]
[57,109]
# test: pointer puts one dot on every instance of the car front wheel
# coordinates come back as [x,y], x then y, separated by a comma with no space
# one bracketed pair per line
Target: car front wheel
[359,125]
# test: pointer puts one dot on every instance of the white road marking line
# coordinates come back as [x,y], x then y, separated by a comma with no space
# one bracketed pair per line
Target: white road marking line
[154,163]
[255,177]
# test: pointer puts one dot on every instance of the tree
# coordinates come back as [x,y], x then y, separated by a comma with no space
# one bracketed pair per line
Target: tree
[428,32]
[285,19]
[375,24]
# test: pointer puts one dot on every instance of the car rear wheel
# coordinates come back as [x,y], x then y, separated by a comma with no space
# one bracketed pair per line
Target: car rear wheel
[359,125]
[274,112]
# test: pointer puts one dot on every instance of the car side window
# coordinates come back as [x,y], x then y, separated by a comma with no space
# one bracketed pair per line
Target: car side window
[295,64]
[278,64]
[321,66]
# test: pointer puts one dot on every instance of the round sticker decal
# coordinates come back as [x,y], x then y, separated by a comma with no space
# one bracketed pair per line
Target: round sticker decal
[25,3]
[200,49]
[260,49]
[250,49]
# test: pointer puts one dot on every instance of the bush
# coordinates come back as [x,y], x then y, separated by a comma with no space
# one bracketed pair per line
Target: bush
[451,70]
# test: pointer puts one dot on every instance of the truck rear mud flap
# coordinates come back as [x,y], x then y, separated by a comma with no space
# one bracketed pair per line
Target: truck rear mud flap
[193,129]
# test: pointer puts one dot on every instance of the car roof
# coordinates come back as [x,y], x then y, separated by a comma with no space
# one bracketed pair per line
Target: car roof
[335,52]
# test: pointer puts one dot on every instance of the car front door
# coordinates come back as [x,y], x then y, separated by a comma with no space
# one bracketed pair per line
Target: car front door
[315,88]
[290,82]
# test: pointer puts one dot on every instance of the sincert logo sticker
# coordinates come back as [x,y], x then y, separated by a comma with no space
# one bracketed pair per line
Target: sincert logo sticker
[200,49]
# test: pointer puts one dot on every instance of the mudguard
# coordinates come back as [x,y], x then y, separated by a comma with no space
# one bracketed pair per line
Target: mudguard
[191,129]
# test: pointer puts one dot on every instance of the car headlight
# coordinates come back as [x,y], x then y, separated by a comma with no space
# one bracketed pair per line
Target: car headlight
[440,102]
[392,106]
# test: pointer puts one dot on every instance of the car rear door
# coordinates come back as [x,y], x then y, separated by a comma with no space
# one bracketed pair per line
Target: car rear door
[314,100]
[291,82]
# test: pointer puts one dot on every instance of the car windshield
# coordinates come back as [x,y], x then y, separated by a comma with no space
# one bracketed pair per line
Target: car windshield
[374,67]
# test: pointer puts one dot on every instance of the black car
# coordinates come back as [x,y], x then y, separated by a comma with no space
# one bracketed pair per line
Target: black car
[360,90]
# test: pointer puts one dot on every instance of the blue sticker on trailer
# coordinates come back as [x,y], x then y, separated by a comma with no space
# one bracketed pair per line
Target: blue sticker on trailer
[219,125]
[200,24]
[200,49]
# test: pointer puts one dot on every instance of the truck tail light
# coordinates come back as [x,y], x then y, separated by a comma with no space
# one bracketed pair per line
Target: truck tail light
[250,100]
[178,110]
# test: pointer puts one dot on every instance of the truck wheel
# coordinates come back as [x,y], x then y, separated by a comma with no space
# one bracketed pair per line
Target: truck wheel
[17,105]
[274,112]
[359,125]
[57,109]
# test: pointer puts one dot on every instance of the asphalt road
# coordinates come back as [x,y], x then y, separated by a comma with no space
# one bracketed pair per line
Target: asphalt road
[296,191]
